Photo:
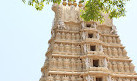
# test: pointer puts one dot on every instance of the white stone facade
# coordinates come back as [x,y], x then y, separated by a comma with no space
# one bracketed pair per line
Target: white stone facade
[85,51]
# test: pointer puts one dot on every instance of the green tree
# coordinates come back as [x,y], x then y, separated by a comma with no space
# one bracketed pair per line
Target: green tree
[93,8]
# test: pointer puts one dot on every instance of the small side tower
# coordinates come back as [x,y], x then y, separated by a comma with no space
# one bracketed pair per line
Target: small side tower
[84,51]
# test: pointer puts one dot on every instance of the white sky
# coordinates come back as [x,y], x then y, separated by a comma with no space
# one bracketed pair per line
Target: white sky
[24,35]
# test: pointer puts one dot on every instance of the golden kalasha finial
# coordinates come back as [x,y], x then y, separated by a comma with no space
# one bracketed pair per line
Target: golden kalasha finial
[74,3]
[69,3]
[80,4]
[64,2]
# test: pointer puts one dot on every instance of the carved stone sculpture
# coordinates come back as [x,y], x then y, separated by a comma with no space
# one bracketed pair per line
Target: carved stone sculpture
[98,36]
[65,78]
[57,78]
[94,25]
[120,52]
[115,67]
[114,40]
[60,62]
[56,47]
[73,48]
[85,48]
[118,40]
[109,39]
[67,48]
[114,30]
[88,78]
[73,78]
[61,47]
[73,36]
[87,63]
[61,25]
[83,35]
[126,67]
[109,51]
[58,36]
[63,36]
[120,67]
[50,78]
[82,25]
[73,64]
[77,37]
[132,67]
[68,36]
[109,78]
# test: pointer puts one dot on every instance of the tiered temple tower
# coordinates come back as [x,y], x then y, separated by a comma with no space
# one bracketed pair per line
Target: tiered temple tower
[84,51]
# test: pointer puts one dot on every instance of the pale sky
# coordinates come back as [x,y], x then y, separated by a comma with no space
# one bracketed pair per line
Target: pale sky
[24,35]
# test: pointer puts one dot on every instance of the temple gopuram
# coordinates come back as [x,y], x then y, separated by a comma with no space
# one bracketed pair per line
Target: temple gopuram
[84,51]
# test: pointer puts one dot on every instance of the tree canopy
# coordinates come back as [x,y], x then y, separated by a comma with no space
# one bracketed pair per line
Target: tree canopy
[93,9]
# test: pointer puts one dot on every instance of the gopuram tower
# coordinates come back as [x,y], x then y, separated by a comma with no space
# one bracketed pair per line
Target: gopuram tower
[84,51]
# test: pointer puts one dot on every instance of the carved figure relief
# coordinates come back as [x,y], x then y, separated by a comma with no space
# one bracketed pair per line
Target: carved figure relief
[61,25]
[114,30]
[87,62]
[82,25]
[88,78]
[83,35]
[85,48]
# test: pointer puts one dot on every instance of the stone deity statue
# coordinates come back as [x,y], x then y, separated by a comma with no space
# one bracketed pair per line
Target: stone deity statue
[109,78]
[88,78]
[94,25]
[87,63]
[58,78]
[105,63]
[101,48]
[61,25]
[83,36]
[85,48]
[83,25]
[98,36]
[114,30]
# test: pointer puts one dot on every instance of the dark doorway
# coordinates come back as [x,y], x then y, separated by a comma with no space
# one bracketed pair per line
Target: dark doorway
[88,25]
[95,63]
[92,48]
[90,35]
[98,79]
